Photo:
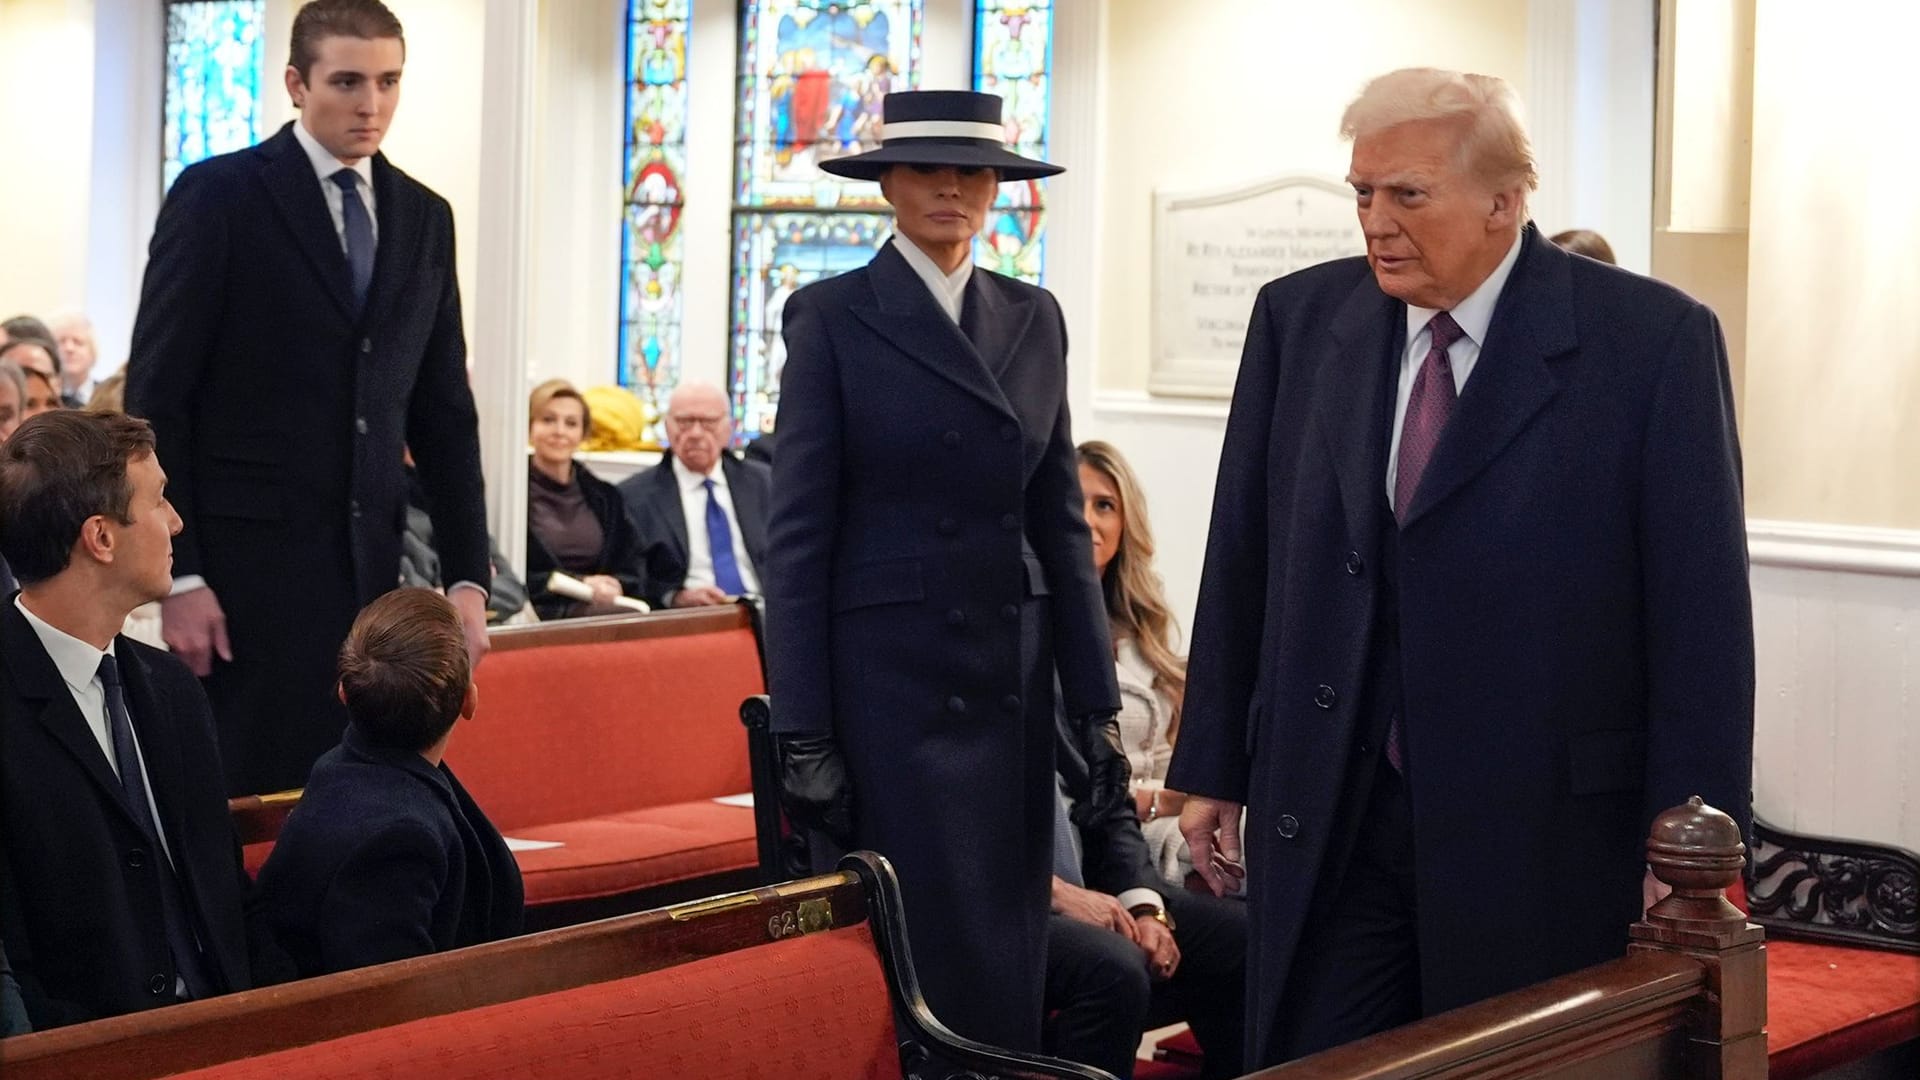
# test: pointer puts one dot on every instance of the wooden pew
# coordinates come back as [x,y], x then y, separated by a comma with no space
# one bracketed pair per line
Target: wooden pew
[762,982]
[1687,1002]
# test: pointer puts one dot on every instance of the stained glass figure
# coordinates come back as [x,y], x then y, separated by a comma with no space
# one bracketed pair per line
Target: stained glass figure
[652,250]
[216,58]
[813,74]
[1013,57]
[775,253]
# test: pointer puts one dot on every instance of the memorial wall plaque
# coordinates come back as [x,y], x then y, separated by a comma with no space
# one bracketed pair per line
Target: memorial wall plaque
[1212,253]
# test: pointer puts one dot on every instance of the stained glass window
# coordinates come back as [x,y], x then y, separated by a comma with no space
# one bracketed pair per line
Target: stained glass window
[216,58]
[651,240]
[1013,57]
[812,76]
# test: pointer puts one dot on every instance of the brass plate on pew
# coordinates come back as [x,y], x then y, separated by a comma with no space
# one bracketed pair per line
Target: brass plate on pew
[807,917]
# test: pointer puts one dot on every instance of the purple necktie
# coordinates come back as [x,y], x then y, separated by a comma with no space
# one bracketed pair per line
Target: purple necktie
[1428,408]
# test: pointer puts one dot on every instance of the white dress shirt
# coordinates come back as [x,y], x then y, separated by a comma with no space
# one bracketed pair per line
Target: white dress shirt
[324,166]
[1473,315]
[949,290]
[79,665]
[693,504]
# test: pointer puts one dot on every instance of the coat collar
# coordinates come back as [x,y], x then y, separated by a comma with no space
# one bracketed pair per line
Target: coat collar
[904,313]
[410,762]
[290,177]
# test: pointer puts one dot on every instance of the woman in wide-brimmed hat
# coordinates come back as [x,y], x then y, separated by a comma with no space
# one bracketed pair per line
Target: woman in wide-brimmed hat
[930,570]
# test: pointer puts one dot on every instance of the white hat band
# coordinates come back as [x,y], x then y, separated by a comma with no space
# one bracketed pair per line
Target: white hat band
[943,129]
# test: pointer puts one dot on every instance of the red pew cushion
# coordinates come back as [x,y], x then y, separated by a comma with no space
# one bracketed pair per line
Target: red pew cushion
[808,1008]
[570,732]
[1831,1004]
[637,849]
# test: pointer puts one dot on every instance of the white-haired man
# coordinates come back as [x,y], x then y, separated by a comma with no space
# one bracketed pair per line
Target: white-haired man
[79,354]
[702,513]
[1475,605]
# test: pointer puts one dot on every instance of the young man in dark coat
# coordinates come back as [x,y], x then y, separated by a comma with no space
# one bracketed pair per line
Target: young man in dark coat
[386,856]
[121,886]
[1475,607]
[929,570]
[299,329]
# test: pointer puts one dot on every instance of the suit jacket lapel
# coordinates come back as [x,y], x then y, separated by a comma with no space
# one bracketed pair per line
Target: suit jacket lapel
[1532,323]
[746,506]
[906,314]
[151,722]
[398,244]
[40,687]
[668,498]
[1354,382]
[993,323]
[296,194]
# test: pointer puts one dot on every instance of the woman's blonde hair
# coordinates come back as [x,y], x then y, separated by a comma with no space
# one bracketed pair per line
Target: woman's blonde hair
[543,396]
[1136,599]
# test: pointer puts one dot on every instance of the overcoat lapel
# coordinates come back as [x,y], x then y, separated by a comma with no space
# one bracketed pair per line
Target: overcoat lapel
[905,314]
[1355,383]
[994,323]
[296,195]
[398,246]
[1532,323]
[40,686]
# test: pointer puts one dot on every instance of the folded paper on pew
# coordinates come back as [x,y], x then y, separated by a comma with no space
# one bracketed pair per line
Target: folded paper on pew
[516,844]
[574,589]
[745,800]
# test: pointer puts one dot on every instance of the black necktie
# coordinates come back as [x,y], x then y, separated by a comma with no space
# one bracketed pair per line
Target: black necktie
[358,228]
[133,784]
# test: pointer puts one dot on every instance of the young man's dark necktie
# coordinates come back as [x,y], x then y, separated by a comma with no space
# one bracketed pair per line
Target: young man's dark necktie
[358,226]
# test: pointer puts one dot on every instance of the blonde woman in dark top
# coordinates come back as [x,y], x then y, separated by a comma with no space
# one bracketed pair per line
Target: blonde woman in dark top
[577,523]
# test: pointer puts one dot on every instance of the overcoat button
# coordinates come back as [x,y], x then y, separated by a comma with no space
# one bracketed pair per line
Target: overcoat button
[366,346]
[956,617]
[136,858]
[948,526]
[1010,612]
[1365,748]
[1009,522]
[360,425]
[956,705]
[1008,433]
[157,985]
[951,438]
[1355,564]
[353,507]
[1289,827]
[1011,703]
[1324,696]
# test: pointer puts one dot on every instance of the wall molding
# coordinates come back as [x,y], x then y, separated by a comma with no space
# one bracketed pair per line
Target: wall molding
[1848,548]
[1141,403]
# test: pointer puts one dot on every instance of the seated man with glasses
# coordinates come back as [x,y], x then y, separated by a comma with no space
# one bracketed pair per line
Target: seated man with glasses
[702,512]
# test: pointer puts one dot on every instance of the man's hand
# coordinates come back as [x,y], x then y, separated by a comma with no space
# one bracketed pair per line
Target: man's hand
[195,629]
[1094,909]
[699,596]
[605,589]
[814,787]
[1212,829]
[472,606]
[1108,774]
[1154,939]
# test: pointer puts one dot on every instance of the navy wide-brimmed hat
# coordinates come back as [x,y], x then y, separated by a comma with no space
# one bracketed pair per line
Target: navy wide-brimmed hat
[940,127]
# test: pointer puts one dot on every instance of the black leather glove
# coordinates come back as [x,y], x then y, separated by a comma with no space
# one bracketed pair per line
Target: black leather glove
[1108,774]
[814,787]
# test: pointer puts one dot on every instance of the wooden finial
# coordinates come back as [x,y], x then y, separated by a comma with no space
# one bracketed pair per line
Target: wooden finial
[1697,851]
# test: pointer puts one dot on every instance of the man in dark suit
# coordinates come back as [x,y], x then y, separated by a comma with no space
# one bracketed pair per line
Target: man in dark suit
[387,856]
[122,886]
[1475,606]
[702,513]
[298,328]
[1123,948]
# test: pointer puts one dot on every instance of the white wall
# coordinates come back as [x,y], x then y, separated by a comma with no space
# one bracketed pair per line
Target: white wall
[46,53]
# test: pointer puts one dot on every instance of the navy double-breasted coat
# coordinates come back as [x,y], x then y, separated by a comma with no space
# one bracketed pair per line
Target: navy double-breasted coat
[928,568]
[1574,629]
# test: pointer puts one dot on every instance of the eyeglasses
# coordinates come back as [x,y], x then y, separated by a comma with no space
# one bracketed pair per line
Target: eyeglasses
[711,423]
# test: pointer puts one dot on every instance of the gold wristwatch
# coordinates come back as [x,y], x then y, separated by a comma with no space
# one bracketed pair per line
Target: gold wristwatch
[1157,913]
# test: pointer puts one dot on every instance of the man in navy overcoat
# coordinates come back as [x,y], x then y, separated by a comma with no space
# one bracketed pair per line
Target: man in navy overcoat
[299,329]
[1475,606]
[929,567]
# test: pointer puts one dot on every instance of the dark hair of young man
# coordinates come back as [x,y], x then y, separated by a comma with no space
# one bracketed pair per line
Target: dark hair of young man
[368,20]
[404,670]
[58,470]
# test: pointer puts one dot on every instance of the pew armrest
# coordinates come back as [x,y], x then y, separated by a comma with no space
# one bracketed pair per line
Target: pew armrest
[1846,892]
